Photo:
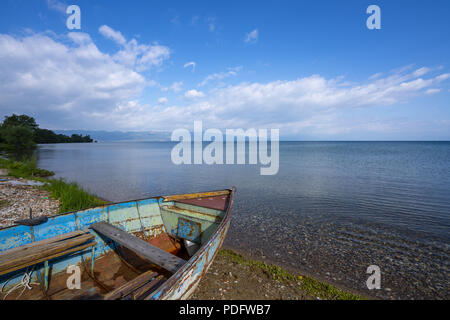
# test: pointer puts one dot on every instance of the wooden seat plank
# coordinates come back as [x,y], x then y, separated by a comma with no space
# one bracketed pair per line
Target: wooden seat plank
[154,254]
[42,259]
[24,252]
[36,253]
[130,286]
[44,242]
[44,250]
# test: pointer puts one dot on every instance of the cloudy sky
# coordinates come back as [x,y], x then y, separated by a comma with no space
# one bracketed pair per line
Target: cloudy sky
[310,68]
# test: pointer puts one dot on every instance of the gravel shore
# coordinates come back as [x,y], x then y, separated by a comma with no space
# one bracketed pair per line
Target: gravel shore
[234,276]
[228,280]
[16,199]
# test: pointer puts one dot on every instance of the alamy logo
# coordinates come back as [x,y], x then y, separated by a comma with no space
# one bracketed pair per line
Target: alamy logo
[374,281]
[74,280]
[213,152]
[374,20]
[74,20]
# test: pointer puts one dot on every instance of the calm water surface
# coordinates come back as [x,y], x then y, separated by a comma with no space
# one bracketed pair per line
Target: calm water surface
[333,209]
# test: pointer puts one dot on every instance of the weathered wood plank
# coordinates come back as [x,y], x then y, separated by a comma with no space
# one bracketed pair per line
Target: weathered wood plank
[130,286]
[44,242]
[147,288]
[42,259]
[154,254]
[41,252]
[42,248]
[88,291]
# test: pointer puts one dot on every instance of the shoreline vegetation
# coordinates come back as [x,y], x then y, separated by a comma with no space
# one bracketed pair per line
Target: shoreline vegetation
[230,270]
[20,134]
[70,195]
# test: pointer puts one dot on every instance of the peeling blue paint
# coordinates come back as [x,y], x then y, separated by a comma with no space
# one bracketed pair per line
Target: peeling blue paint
[189,230]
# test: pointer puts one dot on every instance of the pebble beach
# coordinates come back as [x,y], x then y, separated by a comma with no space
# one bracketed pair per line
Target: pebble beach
[18,196]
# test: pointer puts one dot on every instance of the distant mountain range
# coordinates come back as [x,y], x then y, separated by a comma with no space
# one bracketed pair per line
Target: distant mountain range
[110,136]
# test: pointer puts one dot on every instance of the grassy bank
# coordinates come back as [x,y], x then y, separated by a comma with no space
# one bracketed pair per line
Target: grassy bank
[308,285]
[71,196]
[24,169]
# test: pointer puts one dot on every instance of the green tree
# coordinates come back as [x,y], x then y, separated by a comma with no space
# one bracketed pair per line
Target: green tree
[19,146]
[18,141]
[22,120]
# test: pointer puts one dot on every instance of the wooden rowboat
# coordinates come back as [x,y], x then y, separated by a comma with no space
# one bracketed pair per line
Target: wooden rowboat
[155,248]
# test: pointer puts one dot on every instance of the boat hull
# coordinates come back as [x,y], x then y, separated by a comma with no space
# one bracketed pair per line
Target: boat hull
[129,216]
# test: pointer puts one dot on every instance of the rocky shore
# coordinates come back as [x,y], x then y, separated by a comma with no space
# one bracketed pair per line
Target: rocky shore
[233,276]
[228,280]
[18,196]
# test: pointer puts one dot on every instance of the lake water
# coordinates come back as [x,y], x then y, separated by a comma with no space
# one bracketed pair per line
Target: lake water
[333,209]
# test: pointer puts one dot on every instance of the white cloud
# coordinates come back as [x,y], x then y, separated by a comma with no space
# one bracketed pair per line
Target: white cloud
[252,37]
[110,33]
[162,100]
[432,91]
[177,86]
[57,6]
[313,105]
[308,102]
[421,71]
[375,76]
[194,94]
[443,77]
[62,82]
[221,75]
[67,82]
[141,57]
[190,64]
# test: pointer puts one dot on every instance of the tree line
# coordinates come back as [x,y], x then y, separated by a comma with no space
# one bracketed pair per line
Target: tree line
[19,135]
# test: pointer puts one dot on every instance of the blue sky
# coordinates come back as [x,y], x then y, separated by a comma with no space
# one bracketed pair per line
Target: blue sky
[310,68]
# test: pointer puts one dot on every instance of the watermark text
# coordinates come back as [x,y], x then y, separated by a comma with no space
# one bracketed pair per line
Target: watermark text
[235,147]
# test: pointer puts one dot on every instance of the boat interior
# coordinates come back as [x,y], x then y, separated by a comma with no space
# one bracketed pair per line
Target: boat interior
[120,251]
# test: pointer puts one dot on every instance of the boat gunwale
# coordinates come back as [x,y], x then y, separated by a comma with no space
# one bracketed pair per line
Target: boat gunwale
[115,203]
